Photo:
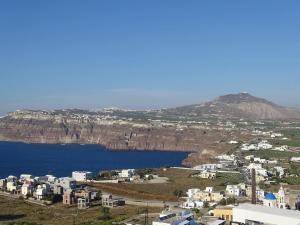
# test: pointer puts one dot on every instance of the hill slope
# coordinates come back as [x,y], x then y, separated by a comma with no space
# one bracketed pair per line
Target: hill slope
[242,105]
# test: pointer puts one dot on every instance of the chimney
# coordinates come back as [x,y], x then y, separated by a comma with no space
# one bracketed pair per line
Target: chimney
[253,183]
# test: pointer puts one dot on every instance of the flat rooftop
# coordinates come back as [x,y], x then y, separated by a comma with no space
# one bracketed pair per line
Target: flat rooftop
[268,210]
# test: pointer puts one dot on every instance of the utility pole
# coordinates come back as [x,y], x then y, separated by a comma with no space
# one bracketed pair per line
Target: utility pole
[146,215]
[253,183]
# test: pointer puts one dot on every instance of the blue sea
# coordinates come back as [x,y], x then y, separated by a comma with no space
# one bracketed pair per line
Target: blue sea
[61,160]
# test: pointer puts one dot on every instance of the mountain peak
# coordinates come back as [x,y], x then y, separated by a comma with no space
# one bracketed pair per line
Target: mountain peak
[242,97]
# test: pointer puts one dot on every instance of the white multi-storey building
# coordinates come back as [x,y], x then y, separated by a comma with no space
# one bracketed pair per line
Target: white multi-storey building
[128,173]
[81,176]
[26,189]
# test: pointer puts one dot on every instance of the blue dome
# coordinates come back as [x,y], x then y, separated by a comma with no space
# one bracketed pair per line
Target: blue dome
[270,196]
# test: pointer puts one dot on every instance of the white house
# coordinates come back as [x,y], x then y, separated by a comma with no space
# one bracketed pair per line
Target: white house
[192,204]
[81,176]
[128,173]
[190,193]
[26,177]
[234,190]
[51,178]
[209,189]
[295,159]
[226,157]
[41,191]
[259,160]
[214,166]
[255,166]
[11,179]
[281,148]
[274,135]
[3,183]
[207,174]
[262,172]
[279,170]
[249,157]
[264,144]
[26,189]
[11,186]
[272,161]
[66,182]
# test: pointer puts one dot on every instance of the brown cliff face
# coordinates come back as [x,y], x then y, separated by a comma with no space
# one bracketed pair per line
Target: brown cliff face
[114,136]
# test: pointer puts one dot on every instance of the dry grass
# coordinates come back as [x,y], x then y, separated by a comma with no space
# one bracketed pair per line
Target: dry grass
[178,180]
[18,210]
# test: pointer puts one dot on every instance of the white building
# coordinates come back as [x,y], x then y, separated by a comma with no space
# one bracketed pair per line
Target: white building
[247,147]
[51,178]
[26,177]
[264,144]
[281,148]
[128,173]
[192,204]
[81,176]
[226,157]
[234,190]
[295,159]
[249,157]
[214,166]
[274,135]
[259,160]
[255,166]
[3,184]
[26,189]
[207,174]
[279,170]
[41,191]
[190,193]
[11,179]
[272,161]
[11,186]
[66,183]
[258,169]
[257,214]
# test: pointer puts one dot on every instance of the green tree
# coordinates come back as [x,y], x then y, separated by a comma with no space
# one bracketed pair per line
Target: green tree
[98,195]
[105,213]
[205,204]
[178,193]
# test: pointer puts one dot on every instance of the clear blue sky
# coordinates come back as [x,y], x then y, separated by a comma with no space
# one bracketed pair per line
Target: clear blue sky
[146,54]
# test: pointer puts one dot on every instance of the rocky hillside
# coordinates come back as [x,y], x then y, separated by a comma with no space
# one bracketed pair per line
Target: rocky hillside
[237,106]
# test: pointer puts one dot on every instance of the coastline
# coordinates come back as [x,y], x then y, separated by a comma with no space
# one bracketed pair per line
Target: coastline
[41,159]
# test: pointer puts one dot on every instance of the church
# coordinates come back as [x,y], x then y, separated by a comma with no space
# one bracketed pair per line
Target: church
[278,200]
